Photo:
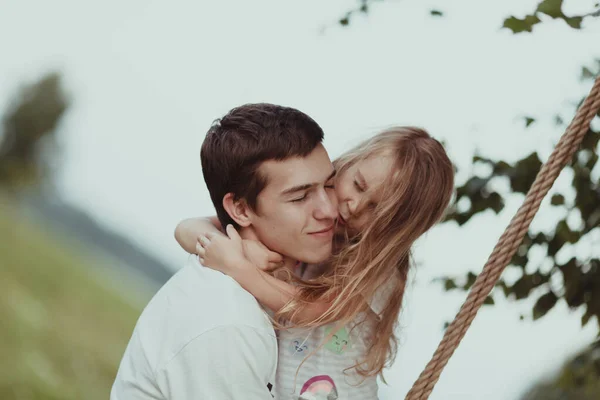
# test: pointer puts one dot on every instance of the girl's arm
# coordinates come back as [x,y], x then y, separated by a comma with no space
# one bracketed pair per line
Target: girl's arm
[189,230]
[226,254]
[275,294]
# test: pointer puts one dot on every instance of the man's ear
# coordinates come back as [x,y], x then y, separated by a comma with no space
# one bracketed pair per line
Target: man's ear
[238,210]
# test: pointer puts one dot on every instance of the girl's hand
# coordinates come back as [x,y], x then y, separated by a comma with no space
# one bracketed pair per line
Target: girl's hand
[229,254]
[220,252]
[263,258]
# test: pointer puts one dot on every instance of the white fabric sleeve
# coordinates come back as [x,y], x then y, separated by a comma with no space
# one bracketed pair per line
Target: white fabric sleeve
[135,378]
[229,362]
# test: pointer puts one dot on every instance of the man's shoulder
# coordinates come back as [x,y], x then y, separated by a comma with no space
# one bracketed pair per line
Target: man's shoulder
[196,300]
[206,296]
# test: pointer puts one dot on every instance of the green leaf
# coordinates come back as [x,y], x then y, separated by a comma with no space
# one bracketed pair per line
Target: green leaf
[574,22]
[517,25]
[505,288]
[557,200]
[525,172]
[565,234]
[590,140]
[475,184]
[344,21]
[520,260]
[540,238]
[586,73]
[502,168]
[573,283]
[495,202]
[449,284]
[529,121]
[489,300]
[436,13]
[558,120]
[522,287]
[544,304]
[552,8]
[471,277]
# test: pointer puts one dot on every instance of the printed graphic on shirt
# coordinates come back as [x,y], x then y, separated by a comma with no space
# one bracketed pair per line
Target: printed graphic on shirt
[319,387]
[339,342]
[298,347]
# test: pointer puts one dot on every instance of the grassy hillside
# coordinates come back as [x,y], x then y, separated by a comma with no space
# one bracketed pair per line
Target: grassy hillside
[63,327]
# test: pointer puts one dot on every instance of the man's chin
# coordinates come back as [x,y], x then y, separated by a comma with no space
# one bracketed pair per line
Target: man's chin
[315,257]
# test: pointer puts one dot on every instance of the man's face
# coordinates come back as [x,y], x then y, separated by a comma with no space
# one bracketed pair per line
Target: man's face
[296,211]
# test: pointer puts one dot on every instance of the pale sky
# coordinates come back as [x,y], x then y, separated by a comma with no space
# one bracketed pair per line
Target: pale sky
[148,77]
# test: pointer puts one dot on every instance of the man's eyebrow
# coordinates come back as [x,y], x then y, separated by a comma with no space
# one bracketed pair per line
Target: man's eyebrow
[298,188]
[307,186]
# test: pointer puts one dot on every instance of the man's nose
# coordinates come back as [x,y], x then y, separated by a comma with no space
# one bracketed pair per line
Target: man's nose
[325,208]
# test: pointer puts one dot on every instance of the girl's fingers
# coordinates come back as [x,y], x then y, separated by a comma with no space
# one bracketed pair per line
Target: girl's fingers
[200,250]
[274,257]
[274,265]
[204,241]
[233,233]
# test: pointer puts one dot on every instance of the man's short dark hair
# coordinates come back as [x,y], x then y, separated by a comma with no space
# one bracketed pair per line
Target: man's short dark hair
[237,144]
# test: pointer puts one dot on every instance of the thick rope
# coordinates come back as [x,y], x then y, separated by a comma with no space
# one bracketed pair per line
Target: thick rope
[508,244]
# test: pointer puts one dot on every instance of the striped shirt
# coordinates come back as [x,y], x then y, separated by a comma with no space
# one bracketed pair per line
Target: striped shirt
[327,374]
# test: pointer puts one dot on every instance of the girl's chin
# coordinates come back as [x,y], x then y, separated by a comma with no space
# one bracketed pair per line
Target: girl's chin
[344,230]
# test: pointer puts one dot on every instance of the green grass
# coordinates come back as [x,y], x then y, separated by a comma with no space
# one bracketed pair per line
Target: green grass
[63,328]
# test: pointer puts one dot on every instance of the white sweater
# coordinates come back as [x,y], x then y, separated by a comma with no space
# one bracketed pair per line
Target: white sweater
[201,337]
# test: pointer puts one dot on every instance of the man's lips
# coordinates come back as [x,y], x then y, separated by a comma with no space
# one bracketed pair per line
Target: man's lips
[322,232]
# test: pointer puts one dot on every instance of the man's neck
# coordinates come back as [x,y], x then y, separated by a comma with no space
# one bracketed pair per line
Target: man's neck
[248,234]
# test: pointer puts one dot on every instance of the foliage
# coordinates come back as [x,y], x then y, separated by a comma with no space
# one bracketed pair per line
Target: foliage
[28,141]
[579,277]
[549,8]
[576,281]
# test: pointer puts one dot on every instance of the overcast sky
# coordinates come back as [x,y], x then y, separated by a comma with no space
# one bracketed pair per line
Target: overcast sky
[148,77]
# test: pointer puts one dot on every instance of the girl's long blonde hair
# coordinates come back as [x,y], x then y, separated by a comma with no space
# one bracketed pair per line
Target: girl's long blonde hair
[416,194]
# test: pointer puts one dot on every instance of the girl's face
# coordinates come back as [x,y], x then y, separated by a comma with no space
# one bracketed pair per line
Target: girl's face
[359,190]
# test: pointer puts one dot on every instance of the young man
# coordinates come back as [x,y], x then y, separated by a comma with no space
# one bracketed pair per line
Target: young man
[202,336]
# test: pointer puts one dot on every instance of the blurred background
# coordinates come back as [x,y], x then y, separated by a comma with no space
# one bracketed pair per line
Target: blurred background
[104,107]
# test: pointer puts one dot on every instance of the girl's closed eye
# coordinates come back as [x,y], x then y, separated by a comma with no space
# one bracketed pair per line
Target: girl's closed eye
[358,186]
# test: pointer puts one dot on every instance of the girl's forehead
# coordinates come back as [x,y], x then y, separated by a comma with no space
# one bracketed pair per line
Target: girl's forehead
[375,170]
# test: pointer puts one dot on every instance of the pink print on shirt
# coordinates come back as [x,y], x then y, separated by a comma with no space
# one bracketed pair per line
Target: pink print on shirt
[319,387]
